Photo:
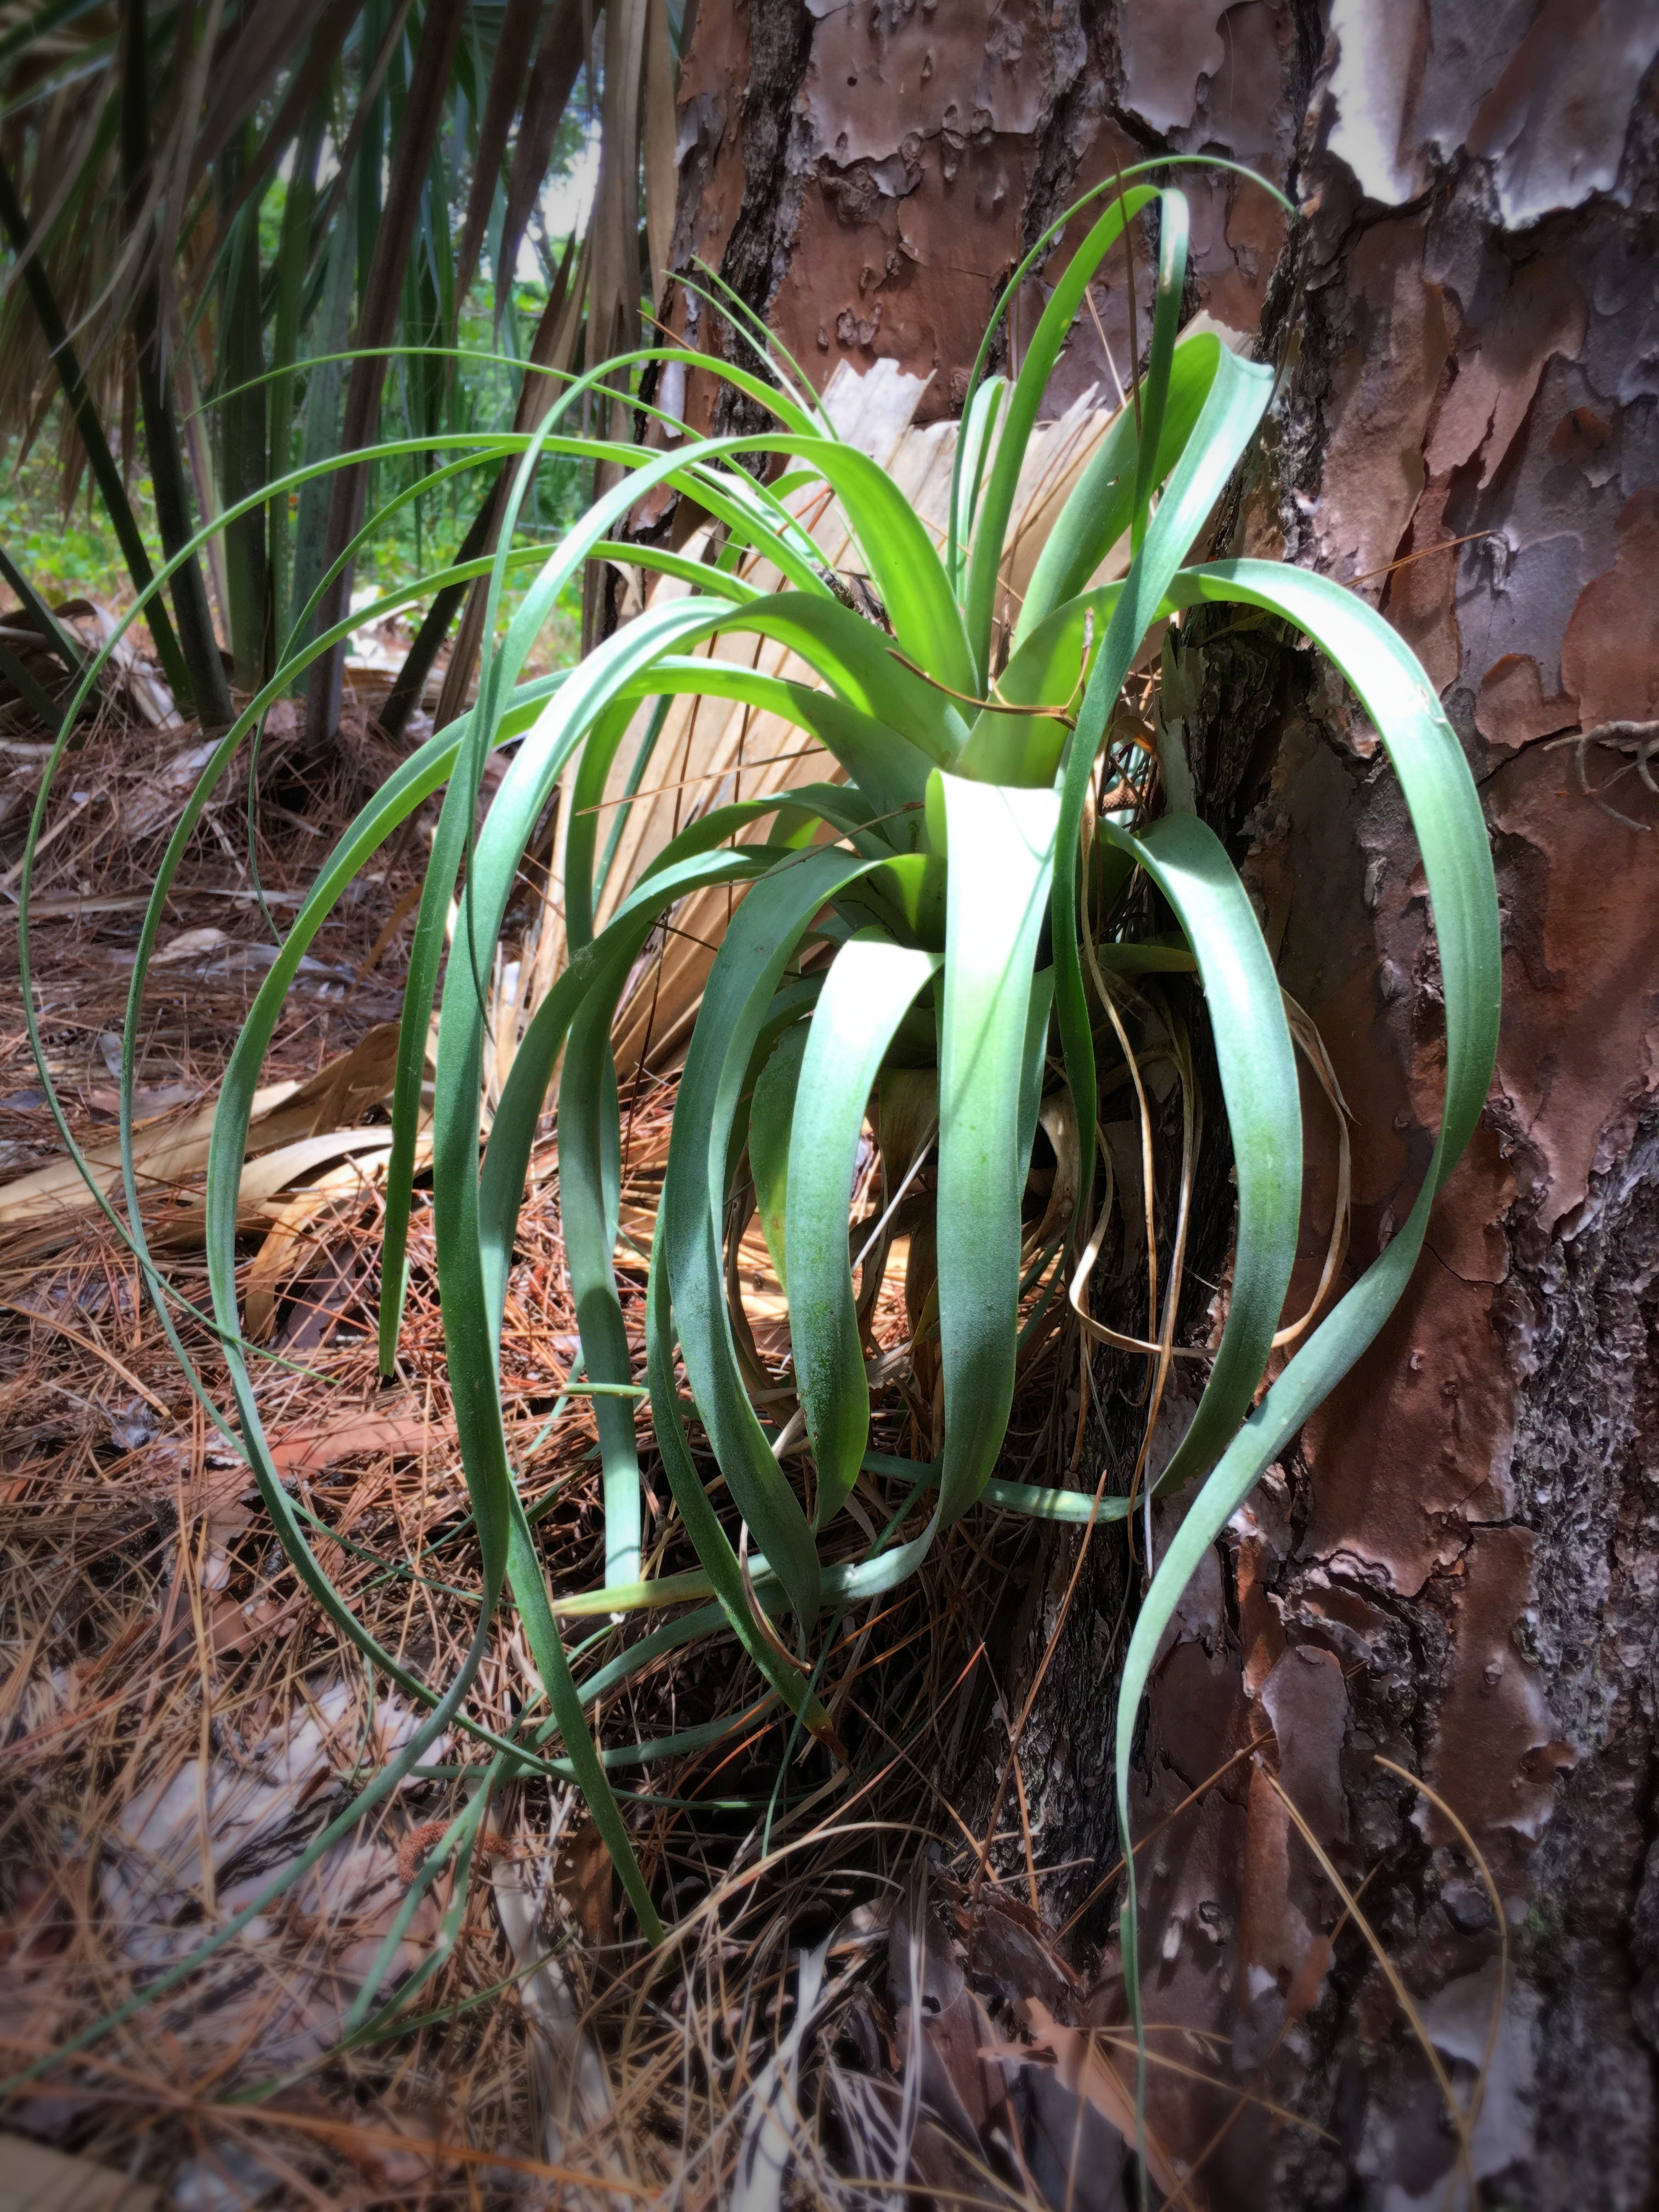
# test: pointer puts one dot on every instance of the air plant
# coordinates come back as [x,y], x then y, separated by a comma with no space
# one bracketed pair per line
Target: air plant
[933,941]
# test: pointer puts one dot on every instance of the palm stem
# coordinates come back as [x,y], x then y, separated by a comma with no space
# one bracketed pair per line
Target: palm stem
[209,694]
[292,253]
[422,114]
[242,429]
[400,701]
[99,460]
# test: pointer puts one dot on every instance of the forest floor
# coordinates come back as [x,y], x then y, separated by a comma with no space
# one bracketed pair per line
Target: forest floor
[178,1718]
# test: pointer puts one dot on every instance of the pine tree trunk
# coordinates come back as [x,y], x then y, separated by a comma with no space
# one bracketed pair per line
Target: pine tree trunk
[1456,1571]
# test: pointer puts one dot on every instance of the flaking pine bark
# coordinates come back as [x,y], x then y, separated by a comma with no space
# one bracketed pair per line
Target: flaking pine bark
[1453,1573]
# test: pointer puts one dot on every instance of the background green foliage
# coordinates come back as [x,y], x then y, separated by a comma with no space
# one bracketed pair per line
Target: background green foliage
[339,173]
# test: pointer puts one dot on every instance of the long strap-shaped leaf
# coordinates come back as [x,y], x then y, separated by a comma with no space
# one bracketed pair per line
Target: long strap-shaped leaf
[587,1115]
[794,618]
[856,657]
[791,1008]
[771,1119]
[590,1145]
[587,1762]
[905,569]
[980,413]
[557,732]
[1445,809]
[870,987]
[423,772]
[500,669]
[583,1003]
[132,1229]
[1446,816]
[1001,856]
[755,522]
[844,809]
[1173,228]
[404,790]
[861,743]
[593,972]
[474,1236]
[721,1562]
[842,728]
[758,942]
[585,703]
[497,1514]
[1033,1066]
[1020,417]
[1257,1065]
[1048,671]
[961,507]
[506,1162]
[582,831]
[1225,427]
[691,863]
[1098,509]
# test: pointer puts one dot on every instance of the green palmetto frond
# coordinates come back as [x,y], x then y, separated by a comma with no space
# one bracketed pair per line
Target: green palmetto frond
[927,920]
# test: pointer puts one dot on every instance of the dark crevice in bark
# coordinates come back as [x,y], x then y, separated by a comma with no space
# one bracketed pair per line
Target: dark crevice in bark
[757,252]
[1087,36]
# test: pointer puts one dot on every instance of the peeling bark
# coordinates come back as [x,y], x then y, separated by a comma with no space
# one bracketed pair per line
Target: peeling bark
[1456,1569]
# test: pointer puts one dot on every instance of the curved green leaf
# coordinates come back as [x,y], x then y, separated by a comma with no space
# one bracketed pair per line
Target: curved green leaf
[974,444]
[857,658]
[1020,418]
[587,1094]
[1097,510]
[599,970]
[1033,1065]
[866,748]
[872,986]
[1225,425]
[759,939]
[904,564]
[1001,855]
[1257,1066]
[523,791]
[771,1117]
[1173,229]
[713,1546]
[1031,259]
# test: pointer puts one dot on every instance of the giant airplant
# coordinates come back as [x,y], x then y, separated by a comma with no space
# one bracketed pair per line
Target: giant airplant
[936,941]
